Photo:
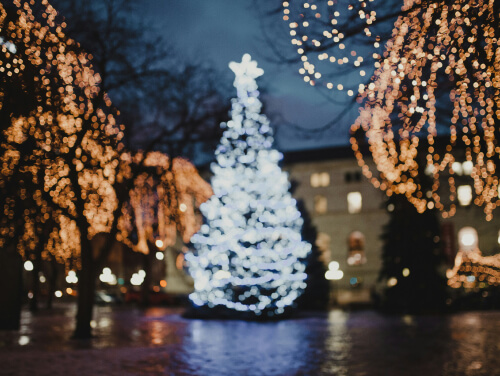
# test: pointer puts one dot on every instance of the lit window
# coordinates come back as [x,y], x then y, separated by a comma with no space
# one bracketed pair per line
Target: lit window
[429,169]
[464,194]
[334,273]
[354,202]
[457,168]
[320,179]
[356,243]
[179,261]
[320,204]
[467,239]
[467,167]
[498,237]
[323,241]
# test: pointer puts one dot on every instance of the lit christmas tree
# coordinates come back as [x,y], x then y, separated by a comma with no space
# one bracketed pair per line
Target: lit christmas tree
[249,255]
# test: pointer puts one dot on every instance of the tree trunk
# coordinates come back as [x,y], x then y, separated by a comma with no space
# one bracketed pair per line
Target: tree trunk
[54,272]
[33,304]
[11,289]
[146,264]
[86,290]
[43,234]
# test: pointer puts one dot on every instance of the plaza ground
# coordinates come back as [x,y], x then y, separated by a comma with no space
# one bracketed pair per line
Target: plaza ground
[159,341]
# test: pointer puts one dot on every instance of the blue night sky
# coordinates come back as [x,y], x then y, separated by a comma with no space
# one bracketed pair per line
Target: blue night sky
[221,31]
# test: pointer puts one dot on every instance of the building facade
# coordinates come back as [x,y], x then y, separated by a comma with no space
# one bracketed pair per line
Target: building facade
[350,215]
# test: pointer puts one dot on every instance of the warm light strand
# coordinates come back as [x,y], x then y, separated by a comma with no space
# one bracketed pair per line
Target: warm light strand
[436,46]
[472,270]
[163,205]
[71,169]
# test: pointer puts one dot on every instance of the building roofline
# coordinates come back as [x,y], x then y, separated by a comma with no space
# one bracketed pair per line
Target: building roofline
[346,152]
[322,154]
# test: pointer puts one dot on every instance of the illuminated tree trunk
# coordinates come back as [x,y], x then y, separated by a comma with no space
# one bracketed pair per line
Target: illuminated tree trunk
[86,289]
[36,275]
[11,283]
[43,235]
[54,272]
[146,266]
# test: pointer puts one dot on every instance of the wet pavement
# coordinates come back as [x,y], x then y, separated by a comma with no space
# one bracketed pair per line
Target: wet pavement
[159,341]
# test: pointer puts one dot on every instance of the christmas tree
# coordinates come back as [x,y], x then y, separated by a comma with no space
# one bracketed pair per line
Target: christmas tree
[248,257]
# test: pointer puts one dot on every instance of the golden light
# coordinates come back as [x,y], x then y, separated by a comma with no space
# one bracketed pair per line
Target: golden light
[442,47]
[77,156]
[391,282]
[354,202]
[473,270]
[439,47]
[179,261]
[314,26]
[464,195]
[75,144]
[154,211]
[467,239]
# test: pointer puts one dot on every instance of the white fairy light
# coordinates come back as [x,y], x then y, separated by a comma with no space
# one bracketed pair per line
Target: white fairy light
[71,277]
[108,277]
[249,254]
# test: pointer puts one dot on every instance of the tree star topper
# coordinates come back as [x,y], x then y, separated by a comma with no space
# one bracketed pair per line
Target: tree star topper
[247,67]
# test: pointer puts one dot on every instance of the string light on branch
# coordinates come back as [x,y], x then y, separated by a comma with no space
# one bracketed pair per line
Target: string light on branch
[73,143]
[321,31]
[472,270]
[162,205]
[62,193]
[442,58]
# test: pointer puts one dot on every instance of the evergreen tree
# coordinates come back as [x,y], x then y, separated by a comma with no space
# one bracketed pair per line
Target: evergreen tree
[316,296]
[411,259]
[249,255]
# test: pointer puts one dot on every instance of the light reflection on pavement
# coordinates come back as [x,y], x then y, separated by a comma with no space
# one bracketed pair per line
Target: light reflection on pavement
[159,341]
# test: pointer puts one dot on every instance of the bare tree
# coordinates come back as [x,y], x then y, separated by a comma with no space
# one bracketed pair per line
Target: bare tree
[61,149]
[428,69]
[165,103]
